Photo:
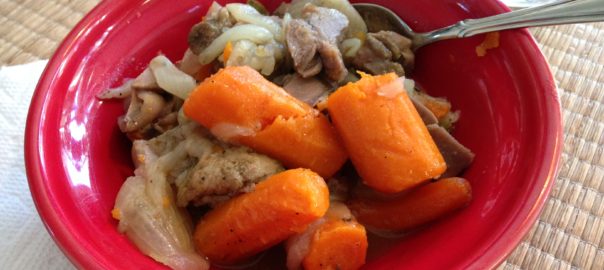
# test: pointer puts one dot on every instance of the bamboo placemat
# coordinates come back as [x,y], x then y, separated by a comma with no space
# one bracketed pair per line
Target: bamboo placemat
[569,233]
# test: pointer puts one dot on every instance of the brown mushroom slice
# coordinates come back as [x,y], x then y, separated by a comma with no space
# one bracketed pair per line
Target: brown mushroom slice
[144,107]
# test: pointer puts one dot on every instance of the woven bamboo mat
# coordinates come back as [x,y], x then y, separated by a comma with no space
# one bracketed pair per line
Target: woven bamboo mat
[569,233]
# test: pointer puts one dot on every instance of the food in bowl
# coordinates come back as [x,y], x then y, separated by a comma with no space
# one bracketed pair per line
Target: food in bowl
[255,125]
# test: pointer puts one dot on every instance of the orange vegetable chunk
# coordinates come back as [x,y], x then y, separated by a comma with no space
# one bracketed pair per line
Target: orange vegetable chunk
[384,135]
[280,206]
[421,205]
[239,105]
[338,242]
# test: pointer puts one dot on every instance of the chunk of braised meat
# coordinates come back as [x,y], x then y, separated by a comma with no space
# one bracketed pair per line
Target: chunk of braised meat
[457,156]
[203,33]
[302,42]
[329,23]
[313,42]
[224,174]
[202,169]
[385,52]
[309,90]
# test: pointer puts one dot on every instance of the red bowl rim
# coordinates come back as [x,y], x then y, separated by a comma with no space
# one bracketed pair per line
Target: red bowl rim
[71,247]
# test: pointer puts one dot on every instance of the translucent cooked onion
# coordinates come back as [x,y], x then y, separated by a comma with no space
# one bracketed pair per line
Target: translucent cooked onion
[298,245]
[145,80]
[190,63]
[392,89]
[148,215]
[350,47]
[247,14]
[253,33]
[170,78]
[158,231]
[227,131]
[259,57]
[122,91]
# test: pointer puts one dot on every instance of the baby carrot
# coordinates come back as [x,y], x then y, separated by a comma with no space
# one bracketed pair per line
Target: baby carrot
[419,206]
[385,137]
[239,105]
[280,206]
[338,242]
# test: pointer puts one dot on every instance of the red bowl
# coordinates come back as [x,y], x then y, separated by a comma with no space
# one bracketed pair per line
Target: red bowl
[77,158]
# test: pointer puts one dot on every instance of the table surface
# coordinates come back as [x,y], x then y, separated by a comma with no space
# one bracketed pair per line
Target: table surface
[569,233]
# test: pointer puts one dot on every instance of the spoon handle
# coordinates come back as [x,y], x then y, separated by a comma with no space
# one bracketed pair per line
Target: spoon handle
[562,12]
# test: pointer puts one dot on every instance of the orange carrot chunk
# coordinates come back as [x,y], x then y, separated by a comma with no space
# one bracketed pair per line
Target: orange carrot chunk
[239,105]
[280,206]
[440,107]
[386,139]
[337,241]
[419,206]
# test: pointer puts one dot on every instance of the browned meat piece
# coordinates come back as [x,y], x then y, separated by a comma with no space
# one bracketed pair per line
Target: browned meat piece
[329,23]
[203,170]
[332,61]
[203,33]
[427,116]
[457,156]
[312,42]
[224,174]
[385,52]
[400,47]
[309,90]
[302,44]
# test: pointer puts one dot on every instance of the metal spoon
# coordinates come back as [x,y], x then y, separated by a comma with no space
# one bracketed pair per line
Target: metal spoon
[563,12]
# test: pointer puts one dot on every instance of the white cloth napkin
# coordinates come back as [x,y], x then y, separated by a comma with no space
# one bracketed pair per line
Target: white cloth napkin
[24,242]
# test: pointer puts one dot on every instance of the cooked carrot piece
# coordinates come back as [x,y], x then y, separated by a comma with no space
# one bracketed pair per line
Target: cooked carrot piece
[280,206]
[228,49]
[337,241]
[385,137]
[438,106]
[239,105]
[419,206]
[300,142]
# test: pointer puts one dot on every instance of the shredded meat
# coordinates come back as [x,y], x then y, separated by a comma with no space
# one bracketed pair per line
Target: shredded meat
[384,52]
[312,42]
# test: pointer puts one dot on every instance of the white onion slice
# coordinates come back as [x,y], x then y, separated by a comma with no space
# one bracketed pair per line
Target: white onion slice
[256,34]
[122,91]
[248,14]
[392,89]
[351,46]
[170,78]
[145,80]
[190,63]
